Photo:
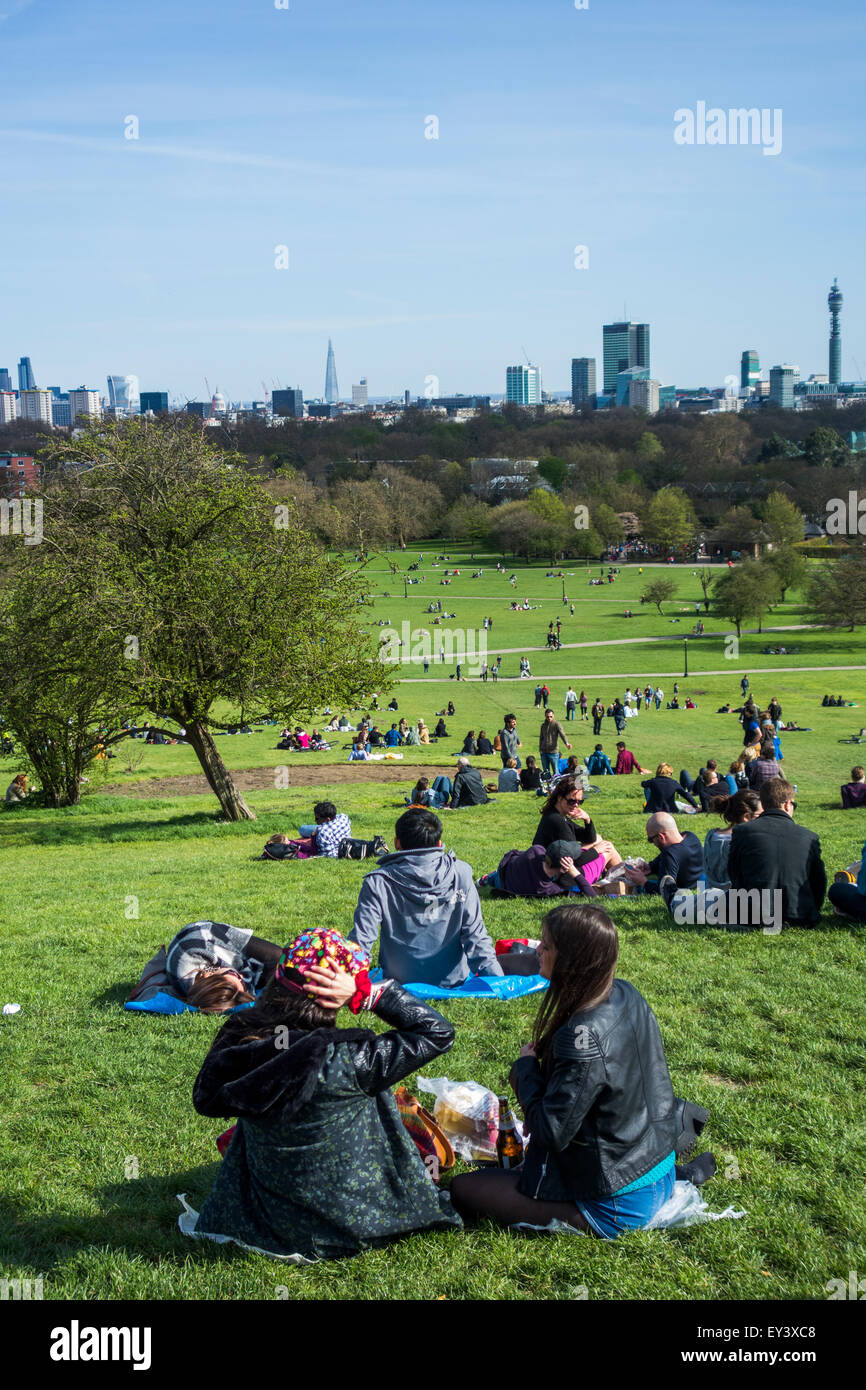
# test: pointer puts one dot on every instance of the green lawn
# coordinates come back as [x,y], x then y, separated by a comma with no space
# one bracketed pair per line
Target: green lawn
[766,1032]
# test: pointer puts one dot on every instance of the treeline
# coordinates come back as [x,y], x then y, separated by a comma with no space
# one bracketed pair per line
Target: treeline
[363,482]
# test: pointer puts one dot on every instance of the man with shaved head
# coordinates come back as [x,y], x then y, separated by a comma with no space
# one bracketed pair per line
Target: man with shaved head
[680,857]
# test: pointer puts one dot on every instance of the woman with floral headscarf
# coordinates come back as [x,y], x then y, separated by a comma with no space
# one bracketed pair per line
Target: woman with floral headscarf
[320,1164]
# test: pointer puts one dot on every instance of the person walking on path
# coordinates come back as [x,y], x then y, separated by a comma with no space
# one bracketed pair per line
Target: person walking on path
[597,716]
[570,702]
[584,702]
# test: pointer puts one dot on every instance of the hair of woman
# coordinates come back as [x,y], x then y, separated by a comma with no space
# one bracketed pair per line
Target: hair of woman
[564,787]
[664,770]
[214,994]
[587,948]
[280,1007]
[735,808]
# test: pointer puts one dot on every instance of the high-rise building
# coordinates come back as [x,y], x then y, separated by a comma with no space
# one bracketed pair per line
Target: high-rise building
[203,409]
[407,398]
[36,405]
[359,393]
[750,370]
[667,398]
[124,395]
[157,401]
[60,412]
[8,407]
[523,385]
[84,401]
[289,402]
[624,383]
[783,379]
[644,394]
[5,379]
[26,379]
[583,381]
[625,345]
[834,304]
[332,390]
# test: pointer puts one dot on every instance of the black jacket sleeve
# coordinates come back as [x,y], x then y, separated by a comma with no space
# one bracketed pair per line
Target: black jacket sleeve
[382,1059]
[555,1106]
[817,873]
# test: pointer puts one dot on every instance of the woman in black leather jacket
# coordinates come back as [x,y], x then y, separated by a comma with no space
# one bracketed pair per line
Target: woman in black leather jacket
[595,1093]
[320,1164]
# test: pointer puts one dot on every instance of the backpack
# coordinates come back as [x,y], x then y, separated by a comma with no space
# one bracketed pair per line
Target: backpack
[361,849]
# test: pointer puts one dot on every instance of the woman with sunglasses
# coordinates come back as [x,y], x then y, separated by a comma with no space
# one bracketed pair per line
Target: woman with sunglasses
[596,1096]
[563,818]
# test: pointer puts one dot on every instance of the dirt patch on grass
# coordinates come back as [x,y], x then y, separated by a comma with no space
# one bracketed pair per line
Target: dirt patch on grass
[728,1081]
[262,779]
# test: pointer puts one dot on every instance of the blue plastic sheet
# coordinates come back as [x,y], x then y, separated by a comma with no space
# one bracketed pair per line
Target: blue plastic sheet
[502,987]
[168,1004]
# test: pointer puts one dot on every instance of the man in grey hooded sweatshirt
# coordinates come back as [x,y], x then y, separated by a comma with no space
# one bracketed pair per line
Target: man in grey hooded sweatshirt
[427,905]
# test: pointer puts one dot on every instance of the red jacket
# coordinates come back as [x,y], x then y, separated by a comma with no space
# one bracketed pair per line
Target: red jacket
[626,762]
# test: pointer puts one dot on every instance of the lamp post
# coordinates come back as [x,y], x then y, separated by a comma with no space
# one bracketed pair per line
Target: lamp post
[685,657]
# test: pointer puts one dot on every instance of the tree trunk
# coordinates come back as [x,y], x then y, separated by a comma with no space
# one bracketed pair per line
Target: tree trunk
[219,778]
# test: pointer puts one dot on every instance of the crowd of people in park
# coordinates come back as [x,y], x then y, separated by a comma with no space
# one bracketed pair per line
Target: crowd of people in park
[605,1128]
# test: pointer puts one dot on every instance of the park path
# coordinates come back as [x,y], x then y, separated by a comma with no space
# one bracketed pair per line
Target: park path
[672,675]
[639,641]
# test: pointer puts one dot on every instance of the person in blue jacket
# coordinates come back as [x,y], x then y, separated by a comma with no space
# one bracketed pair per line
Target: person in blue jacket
[598,763]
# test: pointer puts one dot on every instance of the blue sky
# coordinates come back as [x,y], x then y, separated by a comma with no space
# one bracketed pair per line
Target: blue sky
[305,127]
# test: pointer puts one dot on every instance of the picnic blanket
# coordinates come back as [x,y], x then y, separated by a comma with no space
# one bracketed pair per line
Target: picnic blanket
[164,1003]
[502,987]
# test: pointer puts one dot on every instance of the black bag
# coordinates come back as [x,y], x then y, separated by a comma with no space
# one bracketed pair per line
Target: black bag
[361,849]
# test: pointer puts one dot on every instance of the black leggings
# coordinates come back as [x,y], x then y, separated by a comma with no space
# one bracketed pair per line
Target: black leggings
[492,1193]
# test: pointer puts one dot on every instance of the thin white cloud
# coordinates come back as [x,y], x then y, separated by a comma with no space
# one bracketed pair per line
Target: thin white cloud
[8,12]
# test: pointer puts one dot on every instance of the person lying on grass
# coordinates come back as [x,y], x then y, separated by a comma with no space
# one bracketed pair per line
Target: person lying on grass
[320,1164]
[596,1096]
[215,967]
[543,873]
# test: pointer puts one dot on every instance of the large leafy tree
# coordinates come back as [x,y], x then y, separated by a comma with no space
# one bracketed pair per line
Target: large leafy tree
[669,520]
[745,592]
[837,592]
[206,605]
[825,448]
[783,522]
[53,695]
[789,566]
[658,592]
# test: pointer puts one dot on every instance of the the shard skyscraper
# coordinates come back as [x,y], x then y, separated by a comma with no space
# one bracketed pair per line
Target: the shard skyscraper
[332,391]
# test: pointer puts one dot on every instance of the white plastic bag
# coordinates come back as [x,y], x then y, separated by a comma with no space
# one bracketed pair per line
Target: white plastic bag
[685,1207]
[467,1112]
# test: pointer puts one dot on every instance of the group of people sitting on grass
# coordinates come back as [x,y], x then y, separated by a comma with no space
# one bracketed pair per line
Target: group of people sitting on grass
[605,1127]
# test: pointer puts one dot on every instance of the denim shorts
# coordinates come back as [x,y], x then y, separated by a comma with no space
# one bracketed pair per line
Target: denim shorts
[610,1216]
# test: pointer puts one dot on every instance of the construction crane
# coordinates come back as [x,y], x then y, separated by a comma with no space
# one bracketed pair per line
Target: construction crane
[265,389]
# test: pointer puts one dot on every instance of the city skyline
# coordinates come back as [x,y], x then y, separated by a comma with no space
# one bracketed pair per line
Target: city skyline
[625,353]
[236,186]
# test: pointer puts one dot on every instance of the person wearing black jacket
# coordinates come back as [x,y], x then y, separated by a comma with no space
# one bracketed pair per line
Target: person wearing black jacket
[596,1095]
[772,853]
[662,791]
[468,787]
[470,747]
[320,1164]
[563,818]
